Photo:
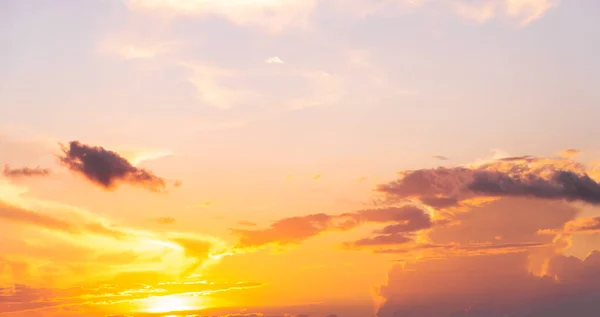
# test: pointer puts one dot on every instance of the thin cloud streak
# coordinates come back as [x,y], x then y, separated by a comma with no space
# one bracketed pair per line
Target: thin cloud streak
[24,172]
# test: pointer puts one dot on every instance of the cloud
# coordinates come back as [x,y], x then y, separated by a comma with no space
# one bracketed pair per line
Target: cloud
[493,286]
[246,223]
[106,168]
[563,185]
[212,91]
[25,172]
[15,214]
[387,239]
[526,11]
[274,16]
[492,260]
[136,157]
[479,13]
[281,15]
[34,218]
[294,230]
[443,251]
[569,153]
[24,298]
[164,220]
[524,176]
[274,60]
[440,157]
[205,204]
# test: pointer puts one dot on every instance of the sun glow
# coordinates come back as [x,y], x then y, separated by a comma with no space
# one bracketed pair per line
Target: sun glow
[166,304]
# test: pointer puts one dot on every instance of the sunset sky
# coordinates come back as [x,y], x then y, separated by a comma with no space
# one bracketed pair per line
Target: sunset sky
[299,158]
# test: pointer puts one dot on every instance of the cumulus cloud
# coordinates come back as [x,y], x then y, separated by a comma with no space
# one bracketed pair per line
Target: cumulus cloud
[274,60]
[524,176]
[25,171]
[495,259]
[106,168]
[493,286]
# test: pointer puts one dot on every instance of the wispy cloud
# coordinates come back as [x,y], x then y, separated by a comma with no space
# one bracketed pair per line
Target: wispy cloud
[164,220]
[130,50]
[211,89]
[526,11]
[401,221]
[25,171]
[569,153]
[274,16]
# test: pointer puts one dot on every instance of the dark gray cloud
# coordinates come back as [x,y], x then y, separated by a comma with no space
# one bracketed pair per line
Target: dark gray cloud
[107,168]
[564,185]
[508,177]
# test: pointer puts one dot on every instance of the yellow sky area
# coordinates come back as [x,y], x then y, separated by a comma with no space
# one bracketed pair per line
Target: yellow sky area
[295,252]
[62,246]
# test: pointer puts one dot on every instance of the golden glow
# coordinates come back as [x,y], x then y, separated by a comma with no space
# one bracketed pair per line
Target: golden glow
[166,304]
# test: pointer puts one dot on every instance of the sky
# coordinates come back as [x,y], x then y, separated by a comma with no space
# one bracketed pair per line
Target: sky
[299,158]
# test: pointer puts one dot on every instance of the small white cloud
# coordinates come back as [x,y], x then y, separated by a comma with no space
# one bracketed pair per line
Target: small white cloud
[274,60]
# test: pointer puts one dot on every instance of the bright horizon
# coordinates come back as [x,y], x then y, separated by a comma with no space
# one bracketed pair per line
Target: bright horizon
[299,158]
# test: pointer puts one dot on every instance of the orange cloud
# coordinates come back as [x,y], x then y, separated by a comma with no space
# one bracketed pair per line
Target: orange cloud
[15,214]
[569,153]
[402,220]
